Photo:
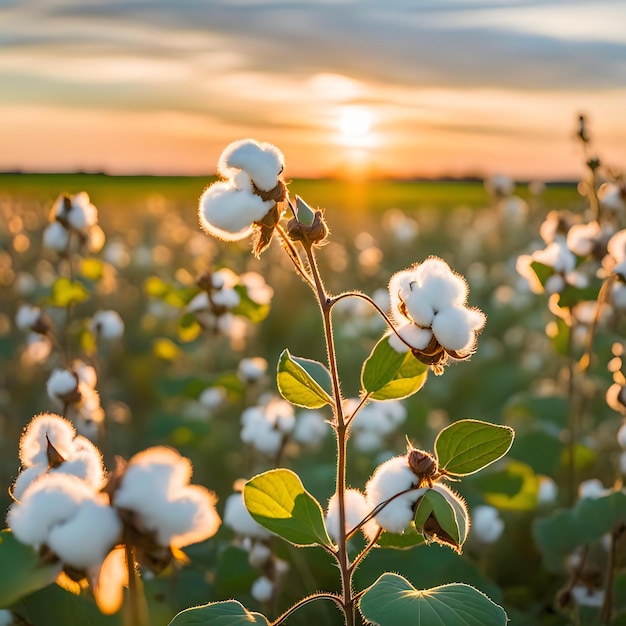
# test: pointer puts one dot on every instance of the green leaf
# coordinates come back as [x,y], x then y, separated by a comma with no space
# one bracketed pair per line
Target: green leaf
[303,382]
[229,613]
[542,271]
[560,533]
[391,375]
[468,446]
[573,295]
[278,501]
[66,292]
[515,488]
[21,571]
[248,308]
[410,538]
[392,600]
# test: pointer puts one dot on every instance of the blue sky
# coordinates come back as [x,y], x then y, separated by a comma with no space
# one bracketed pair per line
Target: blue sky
[458,86]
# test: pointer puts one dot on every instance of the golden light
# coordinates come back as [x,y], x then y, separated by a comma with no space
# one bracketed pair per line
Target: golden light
[355,126]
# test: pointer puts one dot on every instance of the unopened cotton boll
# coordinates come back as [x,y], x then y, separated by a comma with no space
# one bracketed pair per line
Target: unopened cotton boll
[357,509]
[107,325]
[87,537]
[262,589]
[487,525]
[263,162]
[390,479]
[228,213]
[44,428]
[238,518]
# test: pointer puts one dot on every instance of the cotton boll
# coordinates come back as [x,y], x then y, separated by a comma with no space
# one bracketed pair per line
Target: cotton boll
[262,589]
[6,618]
[548,490]
[226,298]
[107,325]
[237,517]
[82,214]
[27,317]
[389,479]
[224,278]
[87,537]
[310,429]
[259,554]
[357,509]
[56,237]
[612,196]
[61,384]
[399,282]
[413,335]
[487,525]
[417,306]
[592,488]
[41,429]
[455,328]
[26,478]
[212,397]
[281,414]
[583,596]
[616,246]
[252,369]
[193,518]
[50,500]
[439,285]
[263,162]
[258,290]
[86,373]
[199,302]
[366,441]
[557,256]
[84,462]
[228,213]
[581,238]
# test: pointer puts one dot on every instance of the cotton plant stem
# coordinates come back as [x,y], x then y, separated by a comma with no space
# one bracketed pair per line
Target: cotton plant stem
[341,430]
[136,610]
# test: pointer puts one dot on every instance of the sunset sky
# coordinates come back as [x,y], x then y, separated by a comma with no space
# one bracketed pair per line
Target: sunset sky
[391,87]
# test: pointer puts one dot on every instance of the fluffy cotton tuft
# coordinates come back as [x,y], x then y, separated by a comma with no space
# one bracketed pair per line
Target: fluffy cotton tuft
[156,487]
[455,327]
[252,369]
[487,525]
[61,384]
[357,510]
[27,317]
[56,237]
[41,429]
[310,429]
[389,479]
[50,500]
[228,213]
[87,537]
[238,518]
[262,589]
[412,335]
[107,325]
[263,162]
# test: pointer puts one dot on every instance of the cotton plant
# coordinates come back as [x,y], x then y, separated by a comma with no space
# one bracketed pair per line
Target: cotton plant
[581,271]
[409,499]
[97,527]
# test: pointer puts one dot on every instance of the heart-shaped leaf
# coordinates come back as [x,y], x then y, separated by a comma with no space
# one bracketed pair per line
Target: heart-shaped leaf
[392,600]
[303,382]
[391,375]
[229,613]
[470,445]
[278,501]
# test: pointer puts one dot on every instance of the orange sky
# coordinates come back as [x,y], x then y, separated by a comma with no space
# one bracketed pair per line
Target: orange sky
[446,88]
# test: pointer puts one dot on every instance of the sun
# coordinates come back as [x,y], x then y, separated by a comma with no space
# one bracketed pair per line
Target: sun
[355,126]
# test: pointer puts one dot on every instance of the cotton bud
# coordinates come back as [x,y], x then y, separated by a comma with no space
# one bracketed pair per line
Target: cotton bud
[487,525]
[357,509]
[441,515]
[262,589]
[107,325]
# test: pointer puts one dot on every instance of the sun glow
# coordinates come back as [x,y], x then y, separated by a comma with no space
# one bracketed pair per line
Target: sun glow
[355,127]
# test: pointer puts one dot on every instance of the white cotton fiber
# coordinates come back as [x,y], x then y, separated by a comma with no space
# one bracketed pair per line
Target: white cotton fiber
[34,445]
[238,518]
[263,162]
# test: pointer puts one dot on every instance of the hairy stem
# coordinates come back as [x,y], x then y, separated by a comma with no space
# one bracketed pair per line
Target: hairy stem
[341,430]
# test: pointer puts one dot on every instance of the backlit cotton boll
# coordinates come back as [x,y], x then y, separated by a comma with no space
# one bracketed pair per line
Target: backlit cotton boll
[27,317]
[487,524]
[107,325]
[237,517]
[390,479]
[62,387]
[56,237]
[228,213]
[455,328]
[357,509]
[76,212]
[155,486]
[44,428]
[262,162]
[252,369]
